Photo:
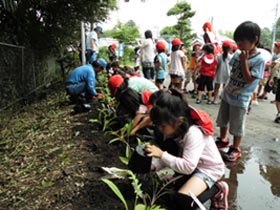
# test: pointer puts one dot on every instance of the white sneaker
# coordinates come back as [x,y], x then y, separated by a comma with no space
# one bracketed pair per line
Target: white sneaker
[215,102]
[255,102]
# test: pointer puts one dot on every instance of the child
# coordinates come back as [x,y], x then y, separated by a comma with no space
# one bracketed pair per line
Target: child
[268,88]
[198,160]
[177,64]
[133,95]
[192,67]
[112,55]
[188,73]
[223,69]
[247,69]
[207,70]
[276,73]
[160,64]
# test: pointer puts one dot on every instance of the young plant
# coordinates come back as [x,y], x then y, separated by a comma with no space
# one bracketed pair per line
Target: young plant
[106,117]
[123,135]
[138,193]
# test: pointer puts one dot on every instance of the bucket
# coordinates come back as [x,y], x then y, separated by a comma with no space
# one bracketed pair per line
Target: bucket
[139,162]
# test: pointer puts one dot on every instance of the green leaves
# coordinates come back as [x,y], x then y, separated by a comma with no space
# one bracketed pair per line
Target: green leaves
[116,190]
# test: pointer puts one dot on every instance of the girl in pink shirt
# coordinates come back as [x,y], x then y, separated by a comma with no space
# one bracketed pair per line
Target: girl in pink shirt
[199,160]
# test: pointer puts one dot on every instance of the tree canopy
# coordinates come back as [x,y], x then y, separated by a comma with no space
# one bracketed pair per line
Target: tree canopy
[48,24]
[126,33]
[182,10]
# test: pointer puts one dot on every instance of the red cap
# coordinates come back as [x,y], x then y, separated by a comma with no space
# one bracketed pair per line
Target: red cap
[160,46]
[234,47]
[277,44]
[114,82]
[113,46]
[208,26]
[227,43]
[176,42]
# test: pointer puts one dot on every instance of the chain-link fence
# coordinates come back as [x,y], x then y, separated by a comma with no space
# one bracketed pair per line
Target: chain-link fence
[22,72]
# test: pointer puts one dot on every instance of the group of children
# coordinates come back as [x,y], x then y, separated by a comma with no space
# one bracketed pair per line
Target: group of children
[168,113]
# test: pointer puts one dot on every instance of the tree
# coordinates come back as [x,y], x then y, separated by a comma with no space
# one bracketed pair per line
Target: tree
[182,10]
[48,24]
[126,33]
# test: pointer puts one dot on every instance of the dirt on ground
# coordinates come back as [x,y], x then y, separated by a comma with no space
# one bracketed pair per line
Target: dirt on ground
[51,158]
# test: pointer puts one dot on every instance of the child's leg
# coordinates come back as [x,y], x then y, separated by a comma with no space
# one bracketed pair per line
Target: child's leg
[209,93]
[236,141]
[216,91]
[195,185]
[223,133]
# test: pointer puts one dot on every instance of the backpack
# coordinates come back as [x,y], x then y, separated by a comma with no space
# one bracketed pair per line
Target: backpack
[203,120]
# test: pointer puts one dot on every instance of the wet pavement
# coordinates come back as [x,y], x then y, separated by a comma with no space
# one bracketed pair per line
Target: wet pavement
[254,180]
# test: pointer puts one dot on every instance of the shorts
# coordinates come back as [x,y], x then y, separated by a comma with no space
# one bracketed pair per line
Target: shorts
[268,88]
[209,182]
[175,76]
[263,81]
[205,81]
[160,81]
[233,117]
[188,74]
[185,177]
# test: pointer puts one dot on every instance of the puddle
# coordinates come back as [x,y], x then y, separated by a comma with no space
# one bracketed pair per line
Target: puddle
[253,184]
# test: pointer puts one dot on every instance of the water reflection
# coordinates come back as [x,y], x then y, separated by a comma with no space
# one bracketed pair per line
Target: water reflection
[271,174]
[252,185]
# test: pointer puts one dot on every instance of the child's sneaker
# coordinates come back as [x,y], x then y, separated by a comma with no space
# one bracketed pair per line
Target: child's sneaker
[220,200]
[198,101]
[277,119]
[215,102]
[209,102]
[222,143]
[233,154]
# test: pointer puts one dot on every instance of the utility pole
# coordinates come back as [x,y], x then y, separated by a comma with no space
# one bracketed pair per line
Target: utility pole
[274,27]
[83,42]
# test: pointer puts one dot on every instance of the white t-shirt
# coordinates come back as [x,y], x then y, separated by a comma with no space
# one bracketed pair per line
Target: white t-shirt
[176,66]
[147,51]
[92,35]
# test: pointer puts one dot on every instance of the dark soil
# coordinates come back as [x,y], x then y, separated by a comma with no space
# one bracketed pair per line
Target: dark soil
[51,158]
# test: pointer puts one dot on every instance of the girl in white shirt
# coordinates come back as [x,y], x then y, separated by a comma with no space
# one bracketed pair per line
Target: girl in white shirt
[177,64]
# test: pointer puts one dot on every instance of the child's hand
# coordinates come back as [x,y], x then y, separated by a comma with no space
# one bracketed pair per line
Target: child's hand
[153,151]
[244,55]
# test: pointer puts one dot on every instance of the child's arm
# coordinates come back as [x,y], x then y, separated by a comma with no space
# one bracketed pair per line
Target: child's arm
[244,55]
[274,70]
[146,121]
[183,60]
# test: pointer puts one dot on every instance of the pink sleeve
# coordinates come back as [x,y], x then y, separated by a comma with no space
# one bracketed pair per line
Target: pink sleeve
[193,146]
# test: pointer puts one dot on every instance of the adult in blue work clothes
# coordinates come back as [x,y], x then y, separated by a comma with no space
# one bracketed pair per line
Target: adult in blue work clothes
[92,44]
[80,84]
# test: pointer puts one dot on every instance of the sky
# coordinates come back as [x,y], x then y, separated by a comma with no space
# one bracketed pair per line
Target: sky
[226,15]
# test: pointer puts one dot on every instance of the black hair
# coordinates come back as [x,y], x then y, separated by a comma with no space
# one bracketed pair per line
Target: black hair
[148,34]
[247,30]
[208,48]
[175,48]
[136,49]
[95,64]
[115,64]
[226,49]
[153,98]
[128,98]
[168,107]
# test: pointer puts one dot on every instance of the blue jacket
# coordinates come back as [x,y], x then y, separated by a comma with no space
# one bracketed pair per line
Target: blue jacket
[85,74]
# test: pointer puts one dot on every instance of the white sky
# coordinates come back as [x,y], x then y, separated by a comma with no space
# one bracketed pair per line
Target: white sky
[227,14]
